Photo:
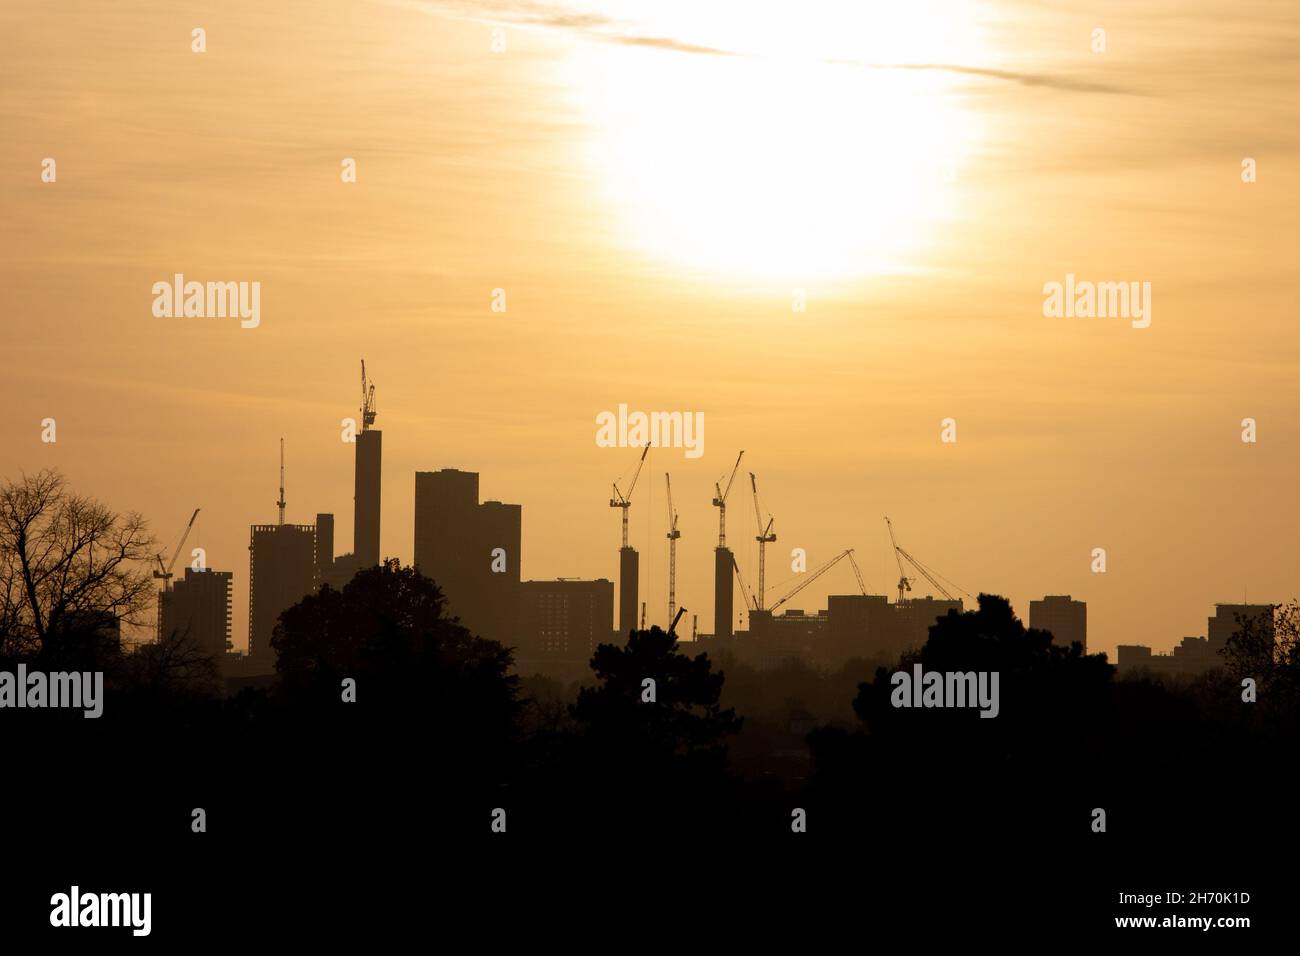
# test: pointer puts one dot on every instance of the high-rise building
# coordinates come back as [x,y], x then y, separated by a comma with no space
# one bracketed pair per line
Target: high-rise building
[198,607]
[500,531]
[1066,619]
[723,625]
[365,510]
[324,545]
[471,550]
[281,572]
[629,591]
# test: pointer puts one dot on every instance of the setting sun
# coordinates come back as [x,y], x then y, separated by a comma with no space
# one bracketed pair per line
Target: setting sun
[787,157]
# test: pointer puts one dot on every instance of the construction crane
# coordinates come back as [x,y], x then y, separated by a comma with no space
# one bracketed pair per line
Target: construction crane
[624,501]
[672,628]
[765,534]
[819,572]
[165,573]
[720,501]
[932,576]
[673,535]
[749,601]
[904,582]
[367,400]
[280,504]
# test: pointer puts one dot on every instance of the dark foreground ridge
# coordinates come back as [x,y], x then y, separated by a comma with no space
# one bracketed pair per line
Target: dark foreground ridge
[395,774]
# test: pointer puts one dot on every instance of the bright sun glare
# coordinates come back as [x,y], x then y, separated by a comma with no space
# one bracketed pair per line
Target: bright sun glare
[789,158]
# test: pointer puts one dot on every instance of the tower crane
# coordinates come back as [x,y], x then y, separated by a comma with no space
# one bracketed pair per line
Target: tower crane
[904,582]
[367,400]
[765,534]
[819,572]
[749,601]
[673,535]
[720,501]
[624,501]
[931,575]
[165,573]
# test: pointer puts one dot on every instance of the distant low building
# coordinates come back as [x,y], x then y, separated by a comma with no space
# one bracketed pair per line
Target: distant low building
[1065,618]
[560,624]
[1197,655]
[853,625]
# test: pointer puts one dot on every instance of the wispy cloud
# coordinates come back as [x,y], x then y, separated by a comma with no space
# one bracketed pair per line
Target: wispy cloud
[604,29]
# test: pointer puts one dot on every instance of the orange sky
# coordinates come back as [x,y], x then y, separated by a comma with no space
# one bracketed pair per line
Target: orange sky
[650,183]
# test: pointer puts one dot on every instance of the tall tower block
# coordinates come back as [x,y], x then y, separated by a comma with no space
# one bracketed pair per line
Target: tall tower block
[722,592]
[365,495]
[365,510]
[628,593]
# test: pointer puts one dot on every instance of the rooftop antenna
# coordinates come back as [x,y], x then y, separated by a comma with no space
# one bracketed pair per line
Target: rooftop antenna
[280,504]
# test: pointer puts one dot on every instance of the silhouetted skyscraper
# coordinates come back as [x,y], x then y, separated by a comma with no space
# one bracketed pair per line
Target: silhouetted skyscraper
[365,511]
[324,545]
[198,607]
[629,568]
[500,528]
[281,572]
[723,561]
[1065,618]
[459,543]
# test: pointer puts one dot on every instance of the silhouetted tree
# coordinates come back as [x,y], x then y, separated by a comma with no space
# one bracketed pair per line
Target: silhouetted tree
[69,566]
[174,664]
[1271,657]
[1055,719]
[388,630]
[685,719]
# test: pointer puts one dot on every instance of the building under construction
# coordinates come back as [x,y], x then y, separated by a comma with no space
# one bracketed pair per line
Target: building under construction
[197,607]
[282,570]
[367,479]
[629,562]
[724,562]
[852,625]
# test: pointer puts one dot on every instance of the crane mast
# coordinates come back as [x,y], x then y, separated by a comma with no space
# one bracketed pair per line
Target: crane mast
[720,501]
[624,501]
[166,572]
[905,583]
[765,534]
[280,504]
[673,535]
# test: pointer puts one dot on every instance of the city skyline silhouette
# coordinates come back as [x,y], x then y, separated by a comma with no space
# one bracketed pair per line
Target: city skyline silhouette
[814,464]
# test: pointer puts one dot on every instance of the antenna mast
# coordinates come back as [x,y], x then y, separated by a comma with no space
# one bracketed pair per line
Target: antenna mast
[280,504]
